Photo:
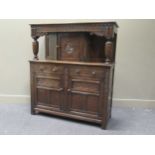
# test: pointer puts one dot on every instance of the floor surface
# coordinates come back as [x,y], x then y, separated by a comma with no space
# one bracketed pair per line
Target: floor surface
[15,119]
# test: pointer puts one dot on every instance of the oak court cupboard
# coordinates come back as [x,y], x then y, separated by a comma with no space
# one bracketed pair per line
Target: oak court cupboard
[76,78]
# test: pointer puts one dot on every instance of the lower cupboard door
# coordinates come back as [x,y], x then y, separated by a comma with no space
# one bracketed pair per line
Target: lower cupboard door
[49,92]
[84,104]
[85,98]
[49,98]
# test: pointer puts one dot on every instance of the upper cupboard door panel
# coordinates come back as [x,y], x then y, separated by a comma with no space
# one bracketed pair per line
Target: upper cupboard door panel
[72,46]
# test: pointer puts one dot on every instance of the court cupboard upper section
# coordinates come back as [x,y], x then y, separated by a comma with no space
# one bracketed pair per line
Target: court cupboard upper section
[86,42]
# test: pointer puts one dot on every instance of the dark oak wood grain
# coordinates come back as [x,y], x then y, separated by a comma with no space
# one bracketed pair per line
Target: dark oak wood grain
[76,79]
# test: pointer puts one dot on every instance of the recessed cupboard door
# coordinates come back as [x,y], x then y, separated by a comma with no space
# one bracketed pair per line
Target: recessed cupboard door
[72,46]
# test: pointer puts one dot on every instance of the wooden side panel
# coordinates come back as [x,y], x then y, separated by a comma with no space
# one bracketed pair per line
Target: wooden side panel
[97,53]
[51,46]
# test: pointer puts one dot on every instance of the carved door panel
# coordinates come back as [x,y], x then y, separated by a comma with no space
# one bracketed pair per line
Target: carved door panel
[84,97]
[72,46]
[49,91]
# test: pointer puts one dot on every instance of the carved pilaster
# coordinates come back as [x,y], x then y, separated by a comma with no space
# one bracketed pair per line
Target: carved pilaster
[109,51]
[35,46]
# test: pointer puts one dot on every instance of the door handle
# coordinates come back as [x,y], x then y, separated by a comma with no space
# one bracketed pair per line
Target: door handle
[61,89]
[93,73]
[69,90]
[55,69]
[57,46]
[77,71]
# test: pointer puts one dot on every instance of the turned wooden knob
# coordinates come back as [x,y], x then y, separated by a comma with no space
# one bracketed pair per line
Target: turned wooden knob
[57,46]
[41,68]
[93,73]
[77,71]
[54,69]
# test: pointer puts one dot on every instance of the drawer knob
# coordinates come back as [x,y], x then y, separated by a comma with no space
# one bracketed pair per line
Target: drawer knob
[77,71]
[93,73]
[54,69]
[41,68]
[57,46]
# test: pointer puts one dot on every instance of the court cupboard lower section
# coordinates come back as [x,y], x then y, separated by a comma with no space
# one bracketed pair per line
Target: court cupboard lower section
[76,90]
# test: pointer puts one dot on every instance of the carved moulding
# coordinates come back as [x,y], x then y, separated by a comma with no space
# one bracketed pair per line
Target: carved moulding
[107,32]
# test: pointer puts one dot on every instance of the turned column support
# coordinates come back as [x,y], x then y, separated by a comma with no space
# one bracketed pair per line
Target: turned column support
[35,46]
[109,51]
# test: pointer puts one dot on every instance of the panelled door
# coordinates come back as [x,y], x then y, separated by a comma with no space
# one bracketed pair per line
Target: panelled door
[72,46]
[85,93]
[67,46]
[49,87]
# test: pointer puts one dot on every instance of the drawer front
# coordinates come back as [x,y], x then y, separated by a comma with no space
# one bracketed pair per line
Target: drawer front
[48,82]
[85,86]
[49,68]
[84,71]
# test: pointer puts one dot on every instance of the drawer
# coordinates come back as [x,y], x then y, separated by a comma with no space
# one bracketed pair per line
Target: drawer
[84,71]
[49,68]
[48,82]
[89,87]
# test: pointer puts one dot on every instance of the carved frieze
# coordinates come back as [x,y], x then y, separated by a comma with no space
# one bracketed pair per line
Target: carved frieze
[101,29]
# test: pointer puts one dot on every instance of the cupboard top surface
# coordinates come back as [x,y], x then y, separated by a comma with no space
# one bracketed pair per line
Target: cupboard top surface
[90,23]
[73,63]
